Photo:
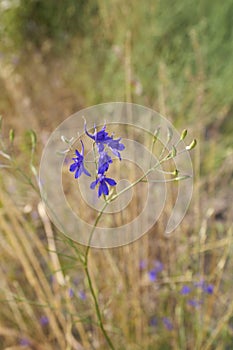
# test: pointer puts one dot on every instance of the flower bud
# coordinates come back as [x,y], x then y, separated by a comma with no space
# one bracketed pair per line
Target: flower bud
[175,172]
[169,134]
[192,145]
[33,138]
[183,134]
[173,152]
[11,135]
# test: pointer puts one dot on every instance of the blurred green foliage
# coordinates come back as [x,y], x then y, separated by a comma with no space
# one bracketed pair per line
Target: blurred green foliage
[175,57]
[189,39]
[36,20]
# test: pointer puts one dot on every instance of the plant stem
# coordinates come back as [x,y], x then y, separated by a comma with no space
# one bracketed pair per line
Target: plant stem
[85,262]
[90,284]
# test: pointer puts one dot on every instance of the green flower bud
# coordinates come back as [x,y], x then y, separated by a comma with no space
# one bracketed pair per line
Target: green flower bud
[192,145]
[175,172]
[169,134]
[173,152]
[180,178]
[33,138]
[183,134]
[11,135]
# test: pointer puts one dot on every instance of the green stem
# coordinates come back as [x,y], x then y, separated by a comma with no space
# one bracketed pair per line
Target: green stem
[28,179]
[90,284]
[86,268]
[97,308]
[140,179]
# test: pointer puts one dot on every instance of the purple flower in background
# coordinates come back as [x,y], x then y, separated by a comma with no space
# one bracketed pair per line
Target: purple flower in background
[209,289]
[153,321]
[154,272]
[168,324]
[71,292]
[194,303]
[78,166]
[82,295]
[104,161]
[103,182]
[158,266]
[152,275]
[44,320]
[24,342]
[185,290]
[142,264]
[199,284]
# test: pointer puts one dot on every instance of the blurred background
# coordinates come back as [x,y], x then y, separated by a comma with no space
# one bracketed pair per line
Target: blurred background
[57,57]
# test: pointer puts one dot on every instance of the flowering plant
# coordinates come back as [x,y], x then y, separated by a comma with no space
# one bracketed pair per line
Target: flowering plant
[102,143]
[107,150]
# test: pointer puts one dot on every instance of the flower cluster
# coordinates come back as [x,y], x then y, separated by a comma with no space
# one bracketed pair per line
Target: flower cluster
[104,143]
[187,291]
[158,267]
[165,321]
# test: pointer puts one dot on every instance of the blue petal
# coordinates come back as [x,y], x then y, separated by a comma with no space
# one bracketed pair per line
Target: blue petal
[78,172]
[85,128]
[103,168]
[116,153]
[103,189]
[121,147]
[116,144]
[86,172]
[73,167]
[78,154]
[111,182]
[100,191]
[100,147]
[93,184]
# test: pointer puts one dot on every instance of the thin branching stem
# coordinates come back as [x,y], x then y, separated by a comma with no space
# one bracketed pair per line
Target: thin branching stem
[89,280]
[86,267]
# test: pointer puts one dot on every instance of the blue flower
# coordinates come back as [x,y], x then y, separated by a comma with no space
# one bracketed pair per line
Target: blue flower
[194,303]
[153,321]
[209,289]
[82,295]
[200,284]
[103,182]
[168,324]
[116,146]
[152,275]
[78,166]
[185,290]
[158,266]
[101,137]
[44,320]
[142,264]
[104,161]
[71,292]
[24,342]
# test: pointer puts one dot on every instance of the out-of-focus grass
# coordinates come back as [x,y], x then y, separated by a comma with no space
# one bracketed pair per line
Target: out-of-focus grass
[173,57]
